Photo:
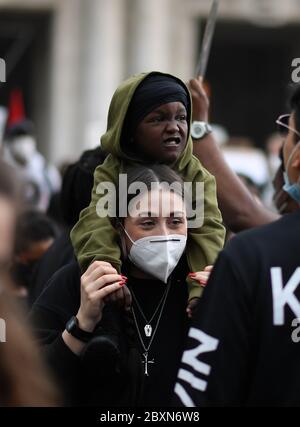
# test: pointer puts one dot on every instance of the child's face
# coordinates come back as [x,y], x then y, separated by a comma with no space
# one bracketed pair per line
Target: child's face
[162,135]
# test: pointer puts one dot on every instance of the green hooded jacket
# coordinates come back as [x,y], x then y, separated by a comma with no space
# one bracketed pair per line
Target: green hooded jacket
[95,238]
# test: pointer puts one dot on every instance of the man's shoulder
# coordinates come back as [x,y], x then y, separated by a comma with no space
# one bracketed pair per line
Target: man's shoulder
[281,232]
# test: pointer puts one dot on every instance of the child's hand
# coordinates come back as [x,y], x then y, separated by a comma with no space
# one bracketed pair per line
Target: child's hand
[202,276]
[121,297]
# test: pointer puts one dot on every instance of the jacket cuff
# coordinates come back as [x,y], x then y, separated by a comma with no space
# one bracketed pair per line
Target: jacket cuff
[195,289]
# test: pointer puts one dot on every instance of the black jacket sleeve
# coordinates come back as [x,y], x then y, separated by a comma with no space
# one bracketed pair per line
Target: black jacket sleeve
[59,301]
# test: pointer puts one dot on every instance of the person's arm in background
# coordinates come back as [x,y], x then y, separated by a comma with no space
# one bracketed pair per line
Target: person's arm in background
[239,209]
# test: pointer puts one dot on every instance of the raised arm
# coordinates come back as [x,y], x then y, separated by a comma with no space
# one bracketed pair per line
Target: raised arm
[239,209]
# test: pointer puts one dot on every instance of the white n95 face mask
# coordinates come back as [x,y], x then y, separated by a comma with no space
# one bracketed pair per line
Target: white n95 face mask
[23,148]
[157,255]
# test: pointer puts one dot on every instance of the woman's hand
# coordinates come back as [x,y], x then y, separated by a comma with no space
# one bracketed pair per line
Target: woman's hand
[98,282]
[199,99]
[201,277]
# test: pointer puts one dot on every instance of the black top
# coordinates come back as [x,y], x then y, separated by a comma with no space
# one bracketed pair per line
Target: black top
[88,385]
[246,349]
[59,254]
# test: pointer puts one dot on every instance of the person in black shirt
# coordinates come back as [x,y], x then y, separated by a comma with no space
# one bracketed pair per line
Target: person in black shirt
[75,195]
[243,345]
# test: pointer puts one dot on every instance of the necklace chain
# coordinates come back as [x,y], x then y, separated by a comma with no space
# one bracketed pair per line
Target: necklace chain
[163,301]
[156,310]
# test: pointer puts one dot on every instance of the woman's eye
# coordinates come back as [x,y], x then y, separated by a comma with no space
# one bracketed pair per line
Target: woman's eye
[177,221]
[182,118]
[148,223]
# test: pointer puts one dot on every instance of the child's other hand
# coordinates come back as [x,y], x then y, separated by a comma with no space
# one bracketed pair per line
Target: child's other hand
[202,276]
[121,297]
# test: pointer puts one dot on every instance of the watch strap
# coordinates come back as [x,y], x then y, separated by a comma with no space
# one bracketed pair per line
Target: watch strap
[73,328]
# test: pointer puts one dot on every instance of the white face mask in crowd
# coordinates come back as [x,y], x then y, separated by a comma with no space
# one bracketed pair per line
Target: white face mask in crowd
[23,148]
[157,255]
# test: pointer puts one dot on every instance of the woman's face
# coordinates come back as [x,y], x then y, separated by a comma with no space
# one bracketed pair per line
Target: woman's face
[162,134]
[161,213]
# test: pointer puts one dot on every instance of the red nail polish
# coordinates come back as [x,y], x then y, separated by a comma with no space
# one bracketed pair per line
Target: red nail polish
[124,277]
[191,274]
[122,283]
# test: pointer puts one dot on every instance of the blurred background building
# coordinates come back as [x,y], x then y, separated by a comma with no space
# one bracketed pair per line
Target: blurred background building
[68,56]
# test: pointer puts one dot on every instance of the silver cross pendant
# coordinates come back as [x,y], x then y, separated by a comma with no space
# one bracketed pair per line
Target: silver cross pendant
[146,361]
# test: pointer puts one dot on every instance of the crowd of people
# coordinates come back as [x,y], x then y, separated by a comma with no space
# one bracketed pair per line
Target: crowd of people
[123,288]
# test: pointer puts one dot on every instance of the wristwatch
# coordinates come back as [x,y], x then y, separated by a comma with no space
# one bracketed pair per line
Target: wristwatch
[73,329]
[200,129]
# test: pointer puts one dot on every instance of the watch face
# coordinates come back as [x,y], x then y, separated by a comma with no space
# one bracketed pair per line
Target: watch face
[71,324]
[197,130]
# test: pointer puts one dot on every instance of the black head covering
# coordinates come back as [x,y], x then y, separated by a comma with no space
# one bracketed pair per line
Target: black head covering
[155,90]
[23,127]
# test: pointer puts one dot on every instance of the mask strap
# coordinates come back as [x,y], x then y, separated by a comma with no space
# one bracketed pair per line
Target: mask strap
[127,233]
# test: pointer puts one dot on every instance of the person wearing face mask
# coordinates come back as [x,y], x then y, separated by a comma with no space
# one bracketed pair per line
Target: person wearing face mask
[40,179]
[72,316]
[243,345]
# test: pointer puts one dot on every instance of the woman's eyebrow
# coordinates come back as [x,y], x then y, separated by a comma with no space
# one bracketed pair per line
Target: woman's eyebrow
[148,214]
[178,213]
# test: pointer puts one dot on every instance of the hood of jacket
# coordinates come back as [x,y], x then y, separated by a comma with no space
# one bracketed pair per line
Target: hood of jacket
[111,140]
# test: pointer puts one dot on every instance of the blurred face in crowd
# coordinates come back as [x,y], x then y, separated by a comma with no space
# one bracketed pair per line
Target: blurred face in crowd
[23,148]
[162,134]
[291,155]
[35,251]
[25,263]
